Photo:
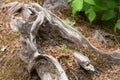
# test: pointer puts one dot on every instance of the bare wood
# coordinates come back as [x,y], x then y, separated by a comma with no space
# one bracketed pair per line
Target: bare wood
[29,51]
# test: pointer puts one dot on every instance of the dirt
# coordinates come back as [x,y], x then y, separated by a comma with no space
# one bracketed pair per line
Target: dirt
[12,68]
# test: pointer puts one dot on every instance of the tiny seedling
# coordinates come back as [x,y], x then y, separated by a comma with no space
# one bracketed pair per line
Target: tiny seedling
[63,46]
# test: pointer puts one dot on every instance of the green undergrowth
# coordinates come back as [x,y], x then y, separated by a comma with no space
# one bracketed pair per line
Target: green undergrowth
[104,10]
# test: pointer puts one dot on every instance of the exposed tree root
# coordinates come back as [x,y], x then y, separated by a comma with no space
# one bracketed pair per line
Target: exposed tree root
[38,17]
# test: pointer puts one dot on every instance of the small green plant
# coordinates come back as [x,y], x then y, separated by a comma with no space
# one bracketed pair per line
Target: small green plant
[107,8]
[63,46]
[117,25]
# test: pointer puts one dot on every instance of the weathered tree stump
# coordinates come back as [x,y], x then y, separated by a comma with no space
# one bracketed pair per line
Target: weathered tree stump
[46,66]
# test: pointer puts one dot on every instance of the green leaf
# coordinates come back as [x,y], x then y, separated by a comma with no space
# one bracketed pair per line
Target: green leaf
[63,46]
[85,7]
[111,4]
[77,5]
[117,25]
[109,14]
[100,5]
[89,10]
[90,2]
[91,14]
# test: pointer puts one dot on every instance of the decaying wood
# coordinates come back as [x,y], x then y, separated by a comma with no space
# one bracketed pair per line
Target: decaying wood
[97,36]
[38,16]
[54,4]
[83,61]
[47,67]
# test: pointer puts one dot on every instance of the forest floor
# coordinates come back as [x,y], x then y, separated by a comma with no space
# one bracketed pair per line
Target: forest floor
[12,68]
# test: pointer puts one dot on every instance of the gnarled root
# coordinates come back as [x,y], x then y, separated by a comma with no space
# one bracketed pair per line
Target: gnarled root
[36,17]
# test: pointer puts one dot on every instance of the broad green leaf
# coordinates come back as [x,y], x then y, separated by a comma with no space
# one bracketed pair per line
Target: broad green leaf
[85,7]
[109,14]
[117,25]
[89,10]
[77,5]
[100,5]
[111,4]
[91,14]
[90,2]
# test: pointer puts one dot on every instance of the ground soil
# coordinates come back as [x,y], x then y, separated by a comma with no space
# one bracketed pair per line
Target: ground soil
[12,68]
